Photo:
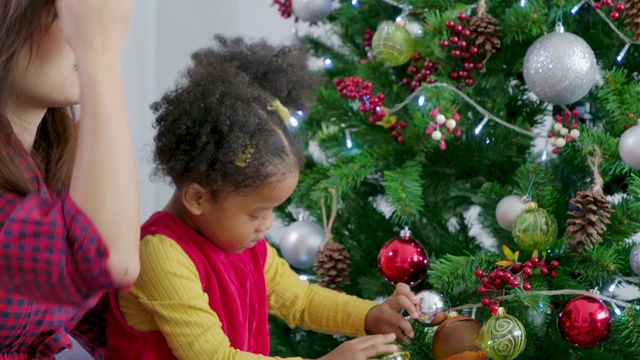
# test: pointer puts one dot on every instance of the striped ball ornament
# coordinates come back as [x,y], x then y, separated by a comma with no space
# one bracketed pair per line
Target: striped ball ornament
[393,44]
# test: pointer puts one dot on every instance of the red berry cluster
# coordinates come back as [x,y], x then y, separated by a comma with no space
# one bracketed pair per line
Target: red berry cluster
[514,275]
[616,9]
[565,130]
[284,7]
[354,88]
[396,128]
[368,35]
[462,48]
[421,71]
[440,122]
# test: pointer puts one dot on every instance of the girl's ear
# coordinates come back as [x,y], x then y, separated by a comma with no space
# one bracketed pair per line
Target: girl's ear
[193,197]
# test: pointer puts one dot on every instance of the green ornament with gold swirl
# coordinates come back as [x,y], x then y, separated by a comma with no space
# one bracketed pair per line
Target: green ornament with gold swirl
[502,337]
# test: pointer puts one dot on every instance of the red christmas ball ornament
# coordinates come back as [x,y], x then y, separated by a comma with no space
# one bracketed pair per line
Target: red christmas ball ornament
[403,260]
[584,321]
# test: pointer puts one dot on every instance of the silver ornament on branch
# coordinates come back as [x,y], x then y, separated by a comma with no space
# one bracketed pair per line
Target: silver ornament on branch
[311,10]
[508,210]
[300,243]
[634,259]
[629,147]
[414,28]
[560,67]
[432,307]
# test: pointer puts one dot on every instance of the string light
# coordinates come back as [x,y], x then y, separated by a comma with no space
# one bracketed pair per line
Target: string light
[544,155]
[293,121]
[616,309]
[623,52]
[481,125]
[304,277]
[523,3]
[328,63]
[421,100]
[577,7]
[354,3]
[349,142]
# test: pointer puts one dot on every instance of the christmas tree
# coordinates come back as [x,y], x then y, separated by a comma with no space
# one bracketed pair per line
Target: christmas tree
[503,135]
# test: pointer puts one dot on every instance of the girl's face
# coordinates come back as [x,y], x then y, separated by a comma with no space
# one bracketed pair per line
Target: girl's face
[44,75]
[238,222]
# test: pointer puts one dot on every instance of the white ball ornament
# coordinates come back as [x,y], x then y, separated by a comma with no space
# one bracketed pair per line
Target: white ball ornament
[300,243]
[311,10]
[508,210]
[564,131]
[441,119]
[557,126]
[553,140]
[561,142]
[450,124]
[629,147]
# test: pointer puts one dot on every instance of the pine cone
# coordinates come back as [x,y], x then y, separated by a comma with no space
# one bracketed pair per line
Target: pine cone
[333,265]
[587,222]
[485,30]
[632,17]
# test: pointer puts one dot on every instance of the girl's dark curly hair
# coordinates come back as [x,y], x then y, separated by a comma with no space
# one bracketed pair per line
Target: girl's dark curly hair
[219,111]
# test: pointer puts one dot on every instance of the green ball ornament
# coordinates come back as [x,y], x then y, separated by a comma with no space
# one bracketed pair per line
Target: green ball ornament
[534,229]
[393,44]
[502,337]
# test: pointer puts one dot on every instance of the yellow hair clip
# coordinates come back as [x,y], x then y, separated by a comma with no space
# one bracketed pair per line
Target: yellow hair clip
[244,158]
[277,106]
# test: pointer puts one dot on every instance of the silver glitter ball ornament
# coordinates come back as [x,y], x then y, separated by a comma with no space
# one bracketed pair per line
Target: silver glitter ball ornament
[431,304]
[560,68]
[311,10]
[629,147]
[634,259]
[300,243]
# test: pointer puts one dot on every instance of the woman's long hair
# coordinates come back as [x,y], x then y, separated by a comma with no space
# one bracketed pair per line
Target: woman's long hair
[22,22]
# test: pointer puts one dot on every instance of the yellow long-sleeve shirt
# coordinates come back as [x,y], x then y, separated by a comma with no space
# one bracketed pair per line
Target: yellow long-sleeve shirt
[168,297]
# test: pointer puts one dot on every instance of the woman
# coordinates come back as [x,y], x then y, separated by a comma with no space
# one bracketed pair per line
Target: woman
[69,209]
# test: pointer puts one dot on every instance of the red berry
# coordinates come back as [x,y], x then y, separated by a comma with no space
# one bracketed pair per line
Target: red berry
[461,16]
[462,44]
[544,271]
[493,309]
[513,283]
[479,66]
[469,81]
[450,24]
[415,85]
[431,80]
[395,133]
[455,53]
[465,33]
[486,301]
[416,57]
[619,7]
[372,120]
[528,264]
[478,273]
[517,267]
[526,286]
[496,282]
[506,277]
[597,5]
[400,139]
[463,74]
[413,70]
[526,271]
[482,291]
[406,81]
[473,50]
[606,2]
[541,263]
[485,281]
[534,261]
[428,65]
[453,39]
[402,124]
[554,264]
[614,15]
[468,66]
[499,274]
[553,275]
[444,44]
[457,29]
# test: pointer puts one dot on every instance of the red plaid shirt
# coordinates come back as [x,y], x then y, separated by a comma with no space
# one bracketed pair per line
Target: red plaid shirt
[53,270]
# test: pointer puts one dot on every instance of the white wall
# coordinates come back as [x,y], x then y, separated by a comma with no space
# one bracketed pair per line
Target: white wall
[162,36]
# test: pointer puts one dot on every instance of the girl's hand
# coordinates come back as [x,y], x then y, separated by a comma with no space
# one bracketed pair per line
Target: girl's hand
[94,29]
[387,318]
[363,348]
